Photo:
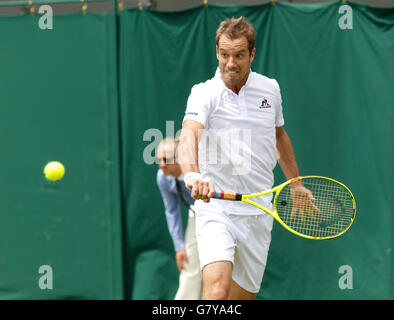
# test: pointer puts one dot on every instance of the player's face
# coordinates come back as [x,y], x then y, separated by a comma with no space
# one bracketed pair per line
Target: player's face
[165,158]
[234,60]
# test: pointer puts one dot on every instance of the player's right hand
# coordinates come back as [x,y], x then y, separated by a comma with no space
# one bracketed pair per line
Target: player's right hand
[201,189]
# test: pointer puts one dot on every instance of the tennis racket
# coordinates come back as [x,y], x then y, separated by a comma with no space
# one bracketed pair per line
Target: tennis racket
[325,211]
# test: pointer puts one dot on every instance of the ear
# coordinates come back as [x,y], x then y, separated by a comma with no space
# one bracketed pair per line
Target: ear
[252,55]
[217,52]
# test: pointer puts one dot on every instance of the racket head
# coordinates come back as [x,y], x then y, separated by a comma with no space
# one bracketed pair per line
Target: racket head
[330,215]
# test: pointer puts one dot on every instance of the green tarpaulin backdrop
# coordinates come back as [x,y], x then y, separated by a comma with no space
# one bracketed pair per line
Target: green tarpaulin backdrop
[58,98]
[65,96]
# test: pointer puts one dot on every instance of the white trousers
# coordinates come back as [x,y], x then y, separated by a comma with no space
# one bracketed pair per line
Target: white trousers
[190,278]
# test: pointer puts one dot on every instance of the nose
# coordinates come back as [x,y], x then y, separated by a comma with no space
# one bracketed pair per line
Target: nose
[231,63]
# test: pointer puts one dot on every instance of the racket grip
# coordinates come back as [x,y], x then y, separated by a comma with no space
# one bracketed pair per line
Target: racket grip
[225,195]
[217,195]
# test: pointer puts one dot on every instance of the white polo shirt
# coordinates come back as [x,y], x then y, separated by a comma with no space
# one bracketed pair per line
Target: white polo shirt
[237,150]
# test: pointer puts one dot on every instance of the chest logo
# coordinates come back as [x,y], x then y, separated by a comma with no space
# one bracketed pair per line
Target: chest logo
[265,104]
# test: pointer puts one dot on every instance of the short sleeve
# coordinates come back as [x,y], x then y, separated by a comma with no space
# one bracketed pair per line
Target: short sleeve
[279,120]
[198,105]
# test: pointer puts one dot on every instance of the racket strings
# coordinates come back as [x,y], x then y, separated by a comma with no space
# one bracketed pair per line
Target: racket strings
[330,214]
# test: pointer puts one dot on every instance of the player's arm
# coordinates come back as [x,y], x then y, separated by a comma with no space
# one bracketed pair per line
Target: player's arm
[287,160]
[288,164]
[187,155]
[187,151]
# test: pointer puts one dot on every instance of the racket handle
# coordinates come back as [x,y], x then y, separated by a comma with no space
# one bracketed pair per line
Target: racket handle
[217,195]
[226,195]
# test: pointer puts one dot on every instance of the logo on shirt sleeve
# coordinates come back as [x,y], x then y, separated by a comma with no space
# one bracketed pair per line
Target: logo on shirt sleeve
[189,113]
[265,104]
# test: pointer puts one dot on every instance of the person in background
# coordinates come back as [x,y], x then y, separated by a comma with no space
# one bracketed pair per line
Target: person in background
[173,191]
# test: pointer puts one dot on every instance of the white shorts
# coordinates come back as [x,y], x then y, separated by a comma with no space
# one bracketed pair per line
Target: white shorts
[242,239]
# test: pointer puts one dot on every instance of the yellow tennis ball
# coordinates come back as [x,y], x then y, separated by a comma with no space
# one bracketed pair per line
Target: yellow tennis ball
[54,171]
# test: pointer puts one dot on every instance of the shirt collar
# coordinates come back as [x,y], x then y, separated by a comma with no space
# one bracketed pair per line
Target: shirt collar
[218,76]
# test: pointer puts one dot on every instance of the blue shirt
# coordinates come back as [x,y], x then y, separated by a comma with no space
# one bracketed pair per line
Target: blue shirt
[171,199]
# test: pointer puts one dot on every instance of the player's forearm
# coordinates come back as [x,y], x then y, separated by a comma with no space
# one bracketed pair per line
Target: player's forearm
[187,157]
[188,161]
[187,151]
[287,159]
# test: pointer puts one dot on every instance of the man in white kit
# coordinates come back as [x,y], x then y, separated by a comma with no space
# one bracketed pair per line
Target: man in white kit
[232,130]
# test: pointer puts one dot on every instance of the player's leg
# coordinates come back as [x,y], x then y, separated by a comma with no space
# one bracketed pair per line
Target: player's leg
[216,280]
[250,258]
[216,245]
[238,293]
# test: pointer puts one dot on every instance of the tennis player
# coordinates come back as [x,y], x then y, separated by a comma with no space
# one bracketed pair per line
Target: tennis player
[174,191]
[232,126]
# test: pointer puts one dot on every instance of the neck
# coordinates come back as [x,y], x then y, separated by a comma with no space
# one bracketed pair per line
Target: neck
[237,87]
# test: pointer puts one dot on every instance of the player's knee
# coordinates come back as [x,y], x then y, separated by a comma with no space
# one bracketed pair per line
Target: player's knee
[217,290]
[216,293]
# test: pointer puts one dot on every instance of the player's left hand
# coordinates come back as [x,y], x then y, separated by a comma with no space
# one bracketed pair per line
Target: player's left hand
[303,202]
